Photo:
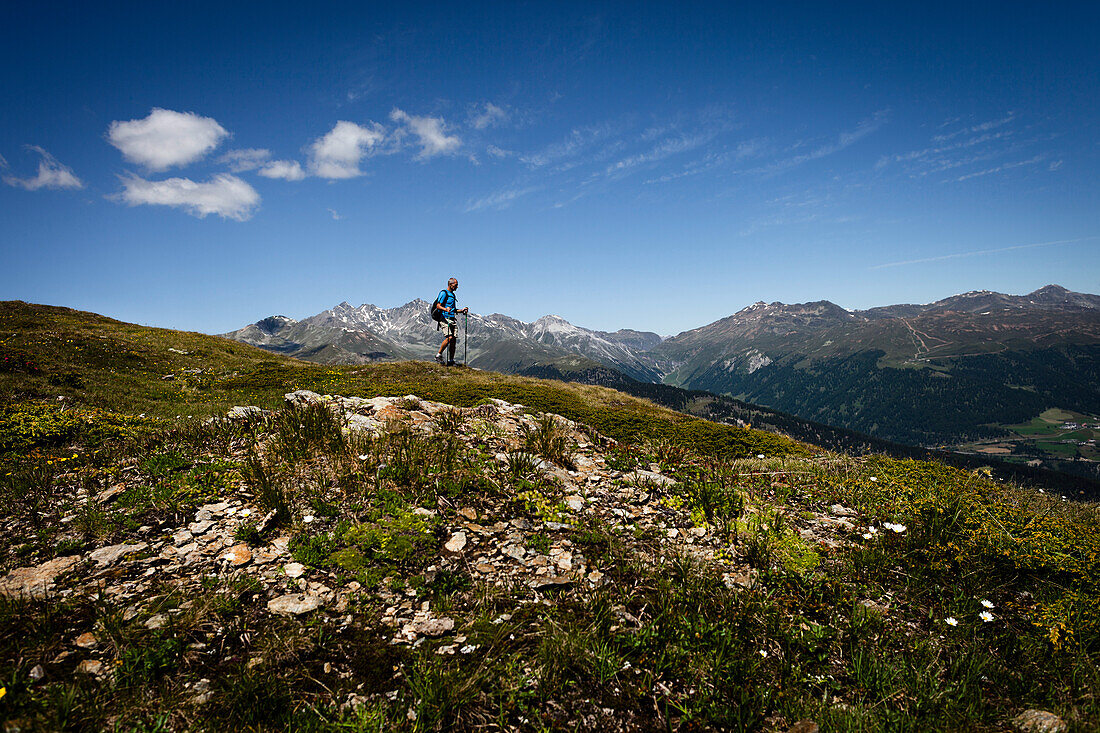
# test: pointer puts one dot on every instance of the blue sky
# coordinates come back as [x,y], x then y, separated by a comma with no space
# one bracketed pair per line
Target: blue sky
[642,165]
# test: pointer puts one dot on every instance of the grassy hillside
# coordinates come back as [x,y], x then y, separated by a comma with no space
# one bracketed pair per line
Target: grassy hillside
[97,362]
[685,576]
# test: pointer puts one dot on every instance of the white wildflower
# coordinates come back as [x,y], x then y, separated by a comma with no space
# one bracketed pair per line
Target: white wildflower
[308,518]
[873,478]
[987,603]
[951,621]
[763,653]
[985,616]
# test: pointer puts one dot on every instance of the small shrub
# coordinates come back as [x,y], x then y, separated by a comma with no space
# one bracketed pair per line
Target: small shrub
[714,499]
[450,421]
[301,431]
[248,532]
[549,440]
[313,550]
[165,463]
[269,491]
[539,542]
[140,665]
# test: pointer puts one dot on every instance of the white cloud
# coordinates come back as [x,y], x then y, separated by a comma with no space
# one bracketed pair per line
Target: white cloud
[496,152]
[288,170]
[225,195]
[335,215]
[166,138]
[430,132]
[51,174]
[487,115]
[337,154]
[247,159]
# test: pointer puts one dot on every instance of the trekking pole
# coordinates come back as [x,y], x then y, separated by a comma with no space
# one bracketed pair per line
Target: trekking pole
[465,335]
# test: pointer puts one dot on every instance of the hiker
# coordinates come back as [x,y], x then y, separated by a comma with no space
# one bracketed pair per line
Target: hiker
[445,310]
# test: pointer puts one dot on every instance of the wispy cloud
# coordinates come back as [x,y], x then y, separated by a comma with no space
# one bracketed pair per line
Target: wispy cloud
[972,151]
[336,154]
[225,195]
[843,140]
[746,149]
[166,138]
[487,114]
[978,252]
[335,215]
[499,200]
[938,158]
[665,149]
[579,140]
[51,174]
[1004,167]
[430,132]
[246,159]
[980,127]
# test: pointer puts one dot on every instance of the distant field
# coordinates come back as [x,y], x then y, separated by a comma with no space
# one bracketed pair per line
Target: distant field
[1043,437]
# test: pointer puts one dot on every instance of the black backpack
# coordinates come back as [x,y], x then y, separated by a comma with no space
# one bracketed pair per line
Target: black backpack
[434,313]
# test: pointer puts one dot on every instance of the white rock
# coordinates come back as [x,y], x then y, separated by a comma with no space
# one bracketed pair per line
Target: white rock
[294,604]
[105,556]
[456,543]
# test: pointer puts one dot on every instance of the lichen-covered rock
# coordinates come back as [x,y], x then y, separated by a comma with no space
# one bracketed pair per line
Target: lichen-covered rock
[105,556]
[36,582]
[294,604]
[1039,721]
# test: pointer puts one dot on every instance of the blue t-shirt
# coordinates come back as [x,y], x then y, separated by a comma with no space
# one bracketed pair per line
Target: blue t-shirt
[446,299]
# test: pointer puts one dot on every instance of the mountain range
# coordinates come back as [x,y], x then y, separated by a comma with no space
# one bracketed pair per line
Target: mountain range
[922,374]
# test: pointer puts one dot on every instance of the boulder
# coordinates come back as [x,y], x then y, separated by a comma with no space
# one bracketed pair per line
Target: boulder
[36,582]
[301,398]
[243,412]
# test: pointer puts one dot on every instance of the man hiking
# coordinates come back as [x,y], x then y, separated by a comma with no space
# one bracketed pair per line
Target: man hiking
[446,306]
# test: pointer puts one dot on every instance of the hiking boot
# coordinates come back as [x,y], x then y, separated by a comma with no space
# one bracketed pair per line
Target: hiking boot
[451,363]
[439,358]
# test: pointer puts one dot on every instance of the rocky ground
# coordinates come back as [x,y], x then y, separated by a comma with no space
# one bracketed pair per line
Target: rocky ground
[437,572]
